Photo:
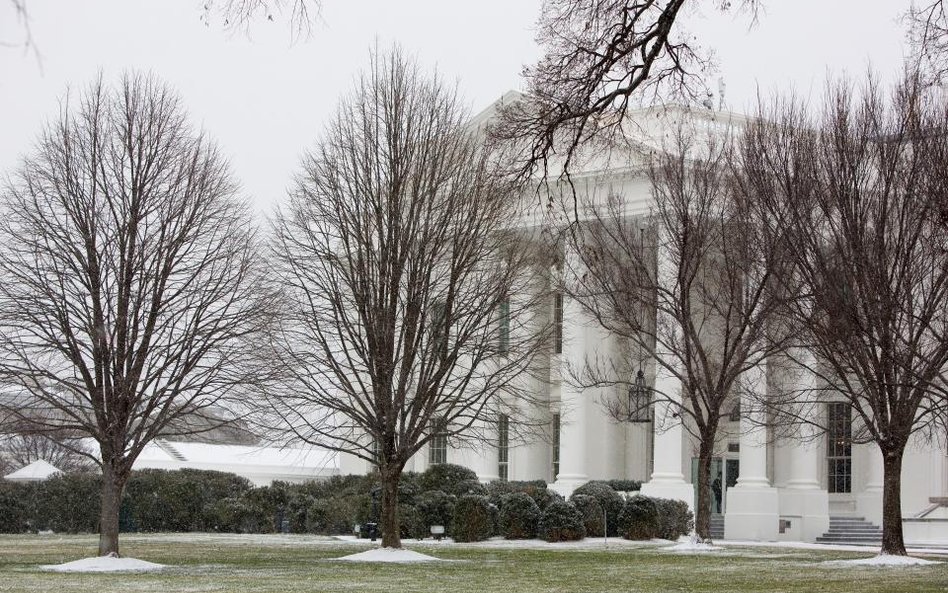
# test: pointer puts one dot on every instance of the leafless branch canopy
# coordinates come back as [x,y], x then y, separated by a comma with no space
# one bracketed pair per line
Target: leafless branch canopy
[239,14]
[399,265]
[600,57]
[129,289]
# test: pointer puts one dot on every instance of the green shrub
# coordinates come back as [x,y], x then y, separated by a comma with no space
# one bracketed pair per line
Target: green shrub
[68,503]
[639,518]
[434,508]
[674,518]
[297,508]
[15,511]
[409,522]
[535,489]
[561,522]
[590,513]
[610,501]
[519,516]
[472,520]
[625,485]
[451,479]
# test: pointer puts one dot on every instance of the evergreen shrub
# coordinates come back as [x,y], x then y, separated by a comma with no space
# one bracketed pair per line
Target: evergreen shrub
[561,522]
[639,518]
[590,513]
[473,519]
[609,500]
[519,516]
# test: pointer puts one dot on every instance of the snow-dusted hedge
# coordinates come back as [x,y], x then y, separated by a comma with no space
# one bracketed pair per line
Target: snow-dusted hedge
[519,516]
[561,522]
[473,518]
[609,500]
[639,518]
[590,513]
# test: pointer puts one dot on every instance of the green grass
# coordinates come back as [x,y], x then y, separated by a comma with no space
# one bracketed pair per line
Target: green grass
[291,564]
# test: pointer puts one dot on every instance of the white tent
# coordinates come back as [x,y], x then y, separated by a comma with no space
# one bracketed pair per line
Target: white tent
[36,471]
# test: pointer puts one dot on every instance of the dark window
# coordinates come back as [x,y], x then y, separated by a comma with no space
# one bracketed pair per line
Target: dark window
[556,445]
[438,447]
[503,327]
[503,446]
[839,448]
[558,323]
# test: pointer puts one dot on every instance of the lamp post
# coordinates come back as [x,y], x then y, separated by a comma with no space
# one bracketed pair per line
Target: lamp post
[640,399]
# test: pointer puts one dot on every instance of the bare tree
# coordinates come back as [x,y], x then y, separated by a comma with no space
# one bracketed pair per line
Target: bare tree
[928,39]
[861,188]
[600,57]
[408,283]
[130,292]
[21,449]
[693,286]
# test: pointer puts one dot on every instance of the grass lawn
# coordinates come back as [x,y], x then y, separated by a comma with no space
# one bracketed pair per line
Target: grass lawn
[302,563]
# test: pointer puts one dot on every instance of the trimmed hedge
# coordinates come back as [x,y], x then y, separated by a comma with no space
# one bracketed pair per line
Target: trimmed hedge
[625,485]
[434,508]
[639,518]
[590,513]
[455,480]
[561,522]
[609,500]
[473,518]
[519,516]
[674,518]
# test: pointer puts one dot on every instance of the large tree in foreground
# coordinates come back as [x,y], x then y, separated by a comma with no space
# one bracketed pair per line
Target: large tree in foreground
[407,287]
[129,290]
[861,188]
[693,286]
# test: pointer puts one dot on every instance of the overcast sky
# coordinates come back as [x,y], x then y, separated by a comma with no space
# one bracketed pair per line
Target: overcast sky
[264,98]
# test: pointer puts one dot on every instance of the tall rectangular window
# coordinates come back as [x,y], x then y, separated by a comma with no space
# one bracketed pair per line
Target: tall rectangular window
[558,323]
[503,447]
[556,445]
[438,446]
[503,327]
[839,447]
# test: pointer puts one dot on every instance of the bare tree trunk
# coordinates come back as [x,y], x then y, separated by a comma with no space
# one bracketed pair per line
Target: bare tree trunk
[391,535]
[113,485]
[703,504]
[892,540]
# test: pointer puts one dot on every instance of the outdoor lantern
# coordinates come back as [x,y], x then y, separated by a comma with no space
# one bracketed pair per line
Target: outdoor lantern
[639,399]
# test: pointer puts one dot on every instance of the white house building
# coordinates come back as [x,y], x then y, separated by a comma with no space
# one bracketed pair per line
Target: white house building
[770,487]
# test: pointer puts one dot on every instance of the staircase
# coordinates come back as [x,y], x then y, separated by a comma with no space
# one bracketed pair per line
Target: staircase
[851,530]
[717,527]
[170,450]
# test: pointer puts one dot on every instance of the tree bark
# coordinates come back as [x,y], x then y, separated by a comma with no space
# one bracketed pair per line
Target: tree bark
[892,540]
[113,485]
[703,504]
[391,534]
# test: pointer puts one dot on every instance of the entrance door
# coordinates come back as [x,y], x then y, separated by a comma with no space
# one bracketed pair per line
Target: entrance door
[717,492]
[724,474]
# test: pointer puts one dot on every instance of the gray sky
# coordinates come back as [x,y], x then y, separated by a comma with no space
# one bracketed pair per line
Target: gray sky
[264,99]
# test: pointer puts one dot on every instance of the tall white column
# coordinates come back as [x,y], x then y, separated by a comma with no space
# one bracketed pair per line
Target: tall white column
[804,506]
[668,479]
[869,501]
[752,505]
[573,405]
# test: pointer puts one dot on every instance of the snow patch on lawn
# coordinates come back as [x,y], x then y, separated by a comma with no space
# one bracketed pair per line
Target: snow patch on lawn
[389,555]
[109,563]
[883,560]
[691,546]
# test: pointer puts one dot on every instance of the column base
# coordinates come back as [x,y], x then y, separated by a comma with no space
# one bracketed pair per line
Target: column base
[565,485]
[675,490]
[807,511]
[869,505]
[752,513]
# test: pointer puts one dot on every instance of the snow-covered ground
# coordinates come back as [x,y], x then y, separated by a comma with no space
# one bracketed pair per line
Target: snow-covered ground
[389,555]
[104,564]
[883,560]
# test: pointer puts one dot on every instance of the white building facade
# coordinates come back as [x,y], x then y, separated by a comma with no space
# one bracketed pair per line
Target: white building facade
[767,487]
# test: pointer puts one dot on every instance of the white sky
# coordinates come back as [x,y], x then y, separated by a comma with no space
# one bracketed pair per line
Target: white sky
[264,99]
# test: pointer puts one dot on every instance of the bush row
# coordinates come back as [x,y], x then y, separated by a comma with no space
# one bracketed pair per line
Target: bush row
[447,495]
